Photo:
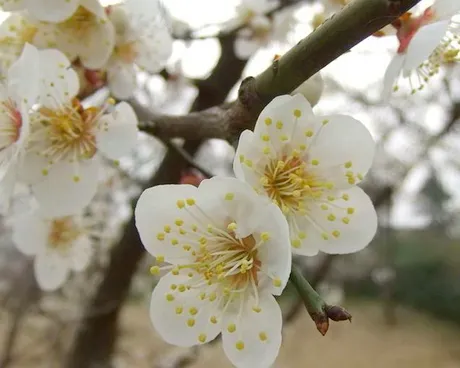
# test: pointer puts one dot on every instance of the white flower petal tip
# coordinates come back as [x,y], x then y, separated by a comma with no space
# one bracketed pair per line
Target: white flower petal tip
[308,166]
[228,252]
[117,133]
[311,89]
[59,246]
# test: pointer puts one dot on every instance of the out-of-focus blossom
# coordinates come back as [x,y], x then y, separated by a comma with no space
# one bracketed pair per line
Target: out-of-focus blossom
[142,39]
[59,246]
[309,166]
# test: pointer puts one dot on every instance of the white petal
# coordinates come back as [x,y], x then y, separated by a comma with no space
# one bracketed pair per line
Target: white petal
[250,148]
[423,44]
[52,10]
[392,73]
[245,208]
[176,328]
[31,170]
[444,9]
[341,142]
[59,81]
[311,89]
[259,332]
[7,185]
[121,80]
[275,254]
[13,5]
[117,133]
[51,271]
[95,7]
[60,195]
[154,49]
[277,120]
[301,244]
[95,51]
[30,233]
[155,209]
[23,76]
[345,226]
[80,253]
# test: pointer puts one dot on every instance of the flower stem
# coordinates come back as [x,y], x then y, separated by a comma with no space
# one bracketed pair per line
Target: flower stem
[319,311]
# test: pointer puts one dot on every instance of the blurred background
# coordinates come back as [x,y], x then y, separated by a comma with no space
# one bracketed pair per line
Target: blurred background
[403,290]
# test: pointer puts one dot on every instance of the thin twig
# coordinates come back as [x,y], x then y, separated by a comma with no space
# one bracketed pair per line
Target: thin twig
[187,157]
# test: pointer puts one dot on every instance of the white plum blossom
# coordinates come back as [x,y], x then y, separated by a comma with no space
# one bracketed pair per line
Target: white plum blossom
[309,166]
[62,162]
[17,95]
[228,253]
[59,246]
[45,10]
[87,34]
[426,42]
[248,9]
[142,39]
[15,32]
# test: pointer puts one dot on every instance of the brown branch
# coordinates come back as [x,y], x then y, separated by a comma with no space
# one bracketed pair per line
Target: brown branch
[336,36]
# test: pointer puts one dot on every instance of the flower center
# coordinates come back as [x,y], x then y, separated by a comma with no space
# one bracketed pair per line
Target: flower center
[62,234]
[126,52]
[289,184]
[10,123]
[79,23]
[70,131]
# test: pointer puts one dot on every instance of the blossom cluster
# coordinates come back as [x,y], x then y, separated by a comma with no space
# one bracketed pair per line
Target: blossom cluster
[52,140]
[223,246]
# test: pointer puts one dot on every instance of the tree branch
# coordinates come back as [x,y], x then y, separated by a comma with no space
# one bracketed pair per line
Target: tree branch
[337,35]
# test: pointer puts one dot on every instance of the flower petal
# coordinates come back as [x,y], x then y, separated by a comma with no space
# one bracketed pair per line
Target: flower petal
[117,133]
[156,214]
[346,224]
[285,120]
[121,80]
[229,199]
[343,150]
[52,10]
[30,234]
[13,5]
[95,51]
[59,81]
[392,73]
[444,9]
[423,44]
[23,76]
[183,318]
[256,339]
[80,253]
[250,158]
[60,195]
[274,254]
[51,271]
[311,89]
